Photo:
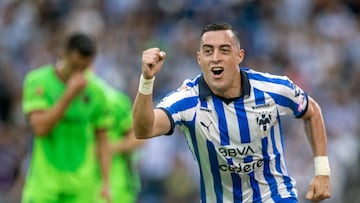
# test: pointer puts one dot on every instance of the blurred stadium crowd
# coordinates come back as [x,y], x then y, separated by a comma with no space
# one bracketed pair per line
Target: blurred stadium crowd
[314,42]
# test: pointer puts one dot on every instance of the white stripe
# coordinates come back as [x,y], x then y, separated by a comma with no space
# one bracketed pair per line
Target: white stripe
[205,163]
[278,89]
[268,75]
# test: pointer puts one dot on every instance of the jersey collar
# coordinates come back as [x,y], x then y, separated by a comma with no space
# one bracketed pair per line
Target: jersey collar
[205,91]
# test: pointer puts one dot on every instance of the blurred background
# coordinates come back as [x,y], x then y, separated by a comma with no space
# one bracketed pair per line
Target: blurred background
[314,42]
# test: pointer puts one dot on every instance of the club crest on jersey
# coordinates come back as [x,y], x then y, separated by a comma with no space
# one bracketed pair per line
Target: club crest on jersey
[86,99]
[39,91]
[264,121]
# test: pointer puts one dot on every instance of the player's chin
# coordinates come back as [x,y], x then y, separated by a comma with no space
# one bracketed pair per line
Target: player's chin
[219,87]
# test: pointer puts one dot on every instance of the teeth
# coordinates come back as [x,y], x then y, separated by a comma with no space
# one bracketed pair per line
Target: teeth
[217,69]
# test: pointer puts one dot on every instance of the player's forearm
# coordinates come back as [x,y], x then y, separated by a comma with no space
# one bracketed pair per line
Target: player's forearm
[43,122]
[317,137]
[128,144]
[103,154]
[316,130]
[143,116]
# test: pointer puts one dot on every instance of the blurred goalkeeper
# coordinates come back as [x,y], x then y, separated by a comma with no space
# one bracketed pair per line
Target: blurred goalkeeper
[64,104]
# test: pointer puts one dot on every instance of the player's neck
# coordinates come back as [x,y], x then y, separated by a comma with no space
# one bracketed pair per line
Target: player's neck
[234,91]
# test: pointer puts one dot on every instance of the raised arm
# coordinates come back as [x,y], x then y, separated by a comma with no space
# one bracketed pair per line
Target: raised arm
[149,122]
[320,185]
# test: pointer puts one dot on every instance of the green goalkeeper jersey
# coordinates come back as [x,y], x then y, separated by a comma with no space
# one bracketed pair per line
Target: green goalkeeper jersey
[124,181]
[64,159]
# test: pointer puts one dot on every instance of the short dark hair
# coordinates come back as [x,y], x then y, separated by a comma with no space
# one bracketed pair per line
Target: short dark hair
[220,26]
[81,43]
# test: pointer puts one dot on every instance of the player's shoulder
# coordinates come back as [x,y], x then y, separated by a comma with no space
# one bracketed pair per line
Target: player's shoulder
[98,83]
[41,72]
[189,85]
[188,89]
[259,77]
[94,81]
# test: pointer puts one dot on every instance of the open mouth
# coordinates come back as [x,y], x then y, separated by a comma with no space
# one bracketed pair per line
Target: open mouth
[217,70]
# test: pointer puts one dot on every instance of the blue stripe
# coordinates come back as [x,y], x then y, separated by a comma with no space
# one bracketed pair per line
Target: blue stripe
[260,77]
[259,96]
[194,81]
[191,127]
[245,138]
[214,164]
[267,171]
[287,180]
[203,103]
[222,122]
[183,105]
[260,99]
[237,191]
[236,181]
[242,120]
[275,150]
[286,102]
[253,182]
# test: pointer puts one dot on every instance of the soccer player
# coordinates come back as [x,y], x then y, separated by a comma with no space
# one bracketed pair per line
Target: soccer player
[124,179]
[231,119]
[64,105]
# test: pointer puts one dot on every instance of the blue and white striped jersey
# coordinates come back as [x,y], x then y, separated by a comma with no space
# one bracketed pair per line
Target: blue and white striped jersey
[238,143]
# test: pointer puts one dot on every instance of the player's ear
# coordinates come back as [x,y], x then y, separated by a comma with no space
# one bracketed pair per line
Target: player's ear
[198,57]
[240,56]
[62,53]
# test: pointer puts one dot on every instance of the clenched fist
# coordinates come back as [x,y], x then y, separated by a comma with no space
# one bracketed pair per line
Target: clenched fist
[319,189]
[152,61]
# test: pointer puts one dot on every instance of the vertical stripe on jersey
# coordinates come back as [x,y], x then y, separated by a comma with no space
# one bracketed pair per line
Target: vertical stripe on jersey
[242,120]
[260,99]
[245,138]
[214,164]
[287,179]
[191,127]
[254,184]
[267,171]
[276,151]
[236,180]
[222,122]
[203,103]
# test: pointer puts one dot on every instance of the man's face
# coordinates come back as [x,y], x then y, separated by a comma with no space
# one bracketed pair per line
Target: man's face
[219,57]
[78,62]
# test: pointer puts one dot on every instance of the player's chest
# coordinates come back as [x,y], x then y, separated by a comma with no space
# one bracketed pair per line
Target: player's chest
[239,122]
[81,107]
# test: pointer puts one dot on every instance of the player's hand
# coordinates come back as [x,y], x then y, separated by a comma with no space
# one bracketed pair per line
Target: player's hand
[105,193]
[76,83]
[319,189]
[152,61]
[113,149]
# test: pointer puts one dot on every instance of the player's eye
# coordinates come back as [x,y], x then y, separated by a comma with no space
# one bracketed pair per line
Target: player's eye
[225,51]
[207,51]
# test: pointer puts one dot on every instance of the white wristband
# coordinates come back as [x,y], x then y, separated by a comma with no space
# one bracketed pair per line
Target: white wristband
[322,167]
[146,85]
